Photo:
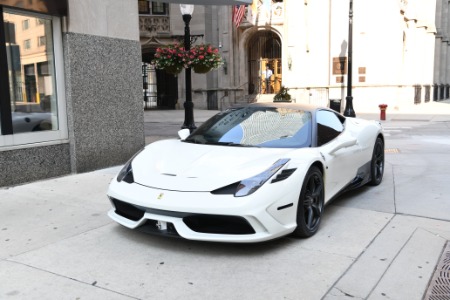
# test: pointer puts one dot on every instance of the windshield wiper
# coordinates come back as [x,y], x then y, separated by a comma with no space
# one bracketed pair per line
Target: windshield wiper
[229,144]
[196,139]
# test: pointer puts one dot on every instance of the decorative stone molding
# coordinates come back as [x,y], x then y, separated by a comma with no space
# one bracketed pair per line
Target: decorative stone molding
[151,26]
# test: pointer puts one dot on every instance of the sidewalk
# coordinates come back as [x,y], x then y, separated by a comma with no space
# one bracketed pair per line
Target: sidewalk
[56,241]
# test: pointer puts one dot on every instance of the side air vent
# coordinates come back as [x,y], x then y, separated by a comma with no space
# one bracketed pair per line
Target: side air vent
[283,175]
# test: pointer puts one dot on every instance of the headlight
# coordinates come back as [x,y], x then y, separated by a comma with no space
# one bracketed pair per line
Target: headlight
[126,174]
[250,185]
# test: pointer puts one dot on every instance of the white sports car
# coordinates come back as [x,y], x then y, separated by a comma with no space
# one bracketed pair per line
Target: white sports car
[248,174]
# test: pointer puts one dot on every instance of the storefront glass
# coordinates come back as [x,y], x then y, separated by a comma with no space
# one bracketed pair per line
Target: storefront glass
[32,103]
[31,72]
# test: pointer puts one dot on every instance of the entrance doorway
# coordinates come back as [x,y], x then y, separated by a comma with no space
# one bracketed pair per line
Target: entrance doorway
[160,89]
[264,51]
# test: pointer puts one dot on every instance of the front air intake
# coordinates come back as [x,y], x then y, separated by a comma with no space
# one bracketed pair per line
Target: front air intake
[217,224]
[127,210]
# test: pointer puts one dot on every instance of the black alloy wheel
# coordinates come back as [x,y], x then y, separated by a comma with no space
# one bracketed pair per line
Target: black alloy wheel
[377,164]
[310,204]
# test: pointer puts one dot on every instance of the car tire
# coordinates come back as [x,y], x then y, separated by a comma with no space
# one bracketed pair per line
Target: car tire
[377,163]
[310,204]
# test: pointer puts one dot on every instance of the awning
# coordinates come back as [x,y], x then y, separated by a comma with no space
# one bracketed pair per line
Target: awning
[210,2]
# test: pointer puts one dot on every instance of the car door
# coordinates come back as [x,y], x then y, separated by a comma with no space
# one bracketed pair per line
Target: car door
[339,150]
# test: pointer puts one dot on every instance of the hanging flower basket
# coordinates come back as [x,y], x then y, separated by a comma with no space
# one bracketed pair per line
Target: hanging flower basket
[171,59]
[201,69]
[203,58]
[173,70]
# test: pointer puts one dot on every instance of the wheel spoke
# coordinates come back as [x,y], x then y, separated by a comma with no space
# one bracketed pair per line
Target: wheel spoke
[318,190]
[311,186]
[380,169]
[309,218]
[316,209]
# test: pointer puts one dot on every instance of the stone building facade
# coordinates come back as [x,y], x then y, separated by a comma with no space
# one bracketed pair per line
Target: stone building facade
[70,87]
[400,52]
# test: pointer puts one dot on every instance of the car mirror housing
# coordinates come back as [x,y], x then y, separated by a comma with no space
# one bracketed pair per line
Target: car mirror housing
[184,133]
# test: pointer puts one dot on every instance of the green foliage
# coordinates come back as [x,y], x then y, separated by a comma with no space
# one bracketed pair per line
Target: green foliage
[282,95]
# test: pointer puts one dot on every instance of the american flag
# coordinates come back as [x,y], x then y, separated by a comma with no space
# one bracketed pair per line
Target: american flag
[238,14]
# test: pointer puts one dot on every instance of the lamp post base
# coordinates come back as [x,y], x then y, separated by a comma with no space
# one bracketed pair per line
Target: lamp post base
[189,116]
[349,112]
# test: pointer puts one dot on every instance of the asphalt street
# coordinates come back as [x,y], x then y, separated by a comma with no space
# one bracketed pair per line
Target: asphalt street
[385,242]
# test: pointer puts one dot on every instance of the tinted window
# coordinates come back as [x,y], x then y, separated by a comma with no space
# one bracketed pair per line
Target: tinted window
[268,127]
[329,126]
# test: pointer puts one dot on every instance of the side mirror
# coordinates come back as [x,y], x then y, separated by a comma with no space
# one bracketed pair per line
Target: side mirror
[184,133]
[344,144]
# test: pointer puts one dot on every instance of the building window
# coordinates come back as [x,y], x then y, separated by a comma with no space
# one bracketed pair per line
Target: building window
[32,110]
[25,24]
[27,44]
[153,8]
[159,8]
[41,40]
[144,7]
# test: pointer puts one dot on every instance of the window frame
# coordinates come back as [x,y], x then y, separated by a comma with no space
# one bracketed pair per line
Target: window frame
[165,9]
[41,41]
[25,24]
[144,10]
[27,44]
[39,138]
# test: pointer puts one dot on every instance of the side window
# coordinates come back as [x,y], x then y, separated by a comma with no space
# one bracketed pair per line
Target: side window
[329,126]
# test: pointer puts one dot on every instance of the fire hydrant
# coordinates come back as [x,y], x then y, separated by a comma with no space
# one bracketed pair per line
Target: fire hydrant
[382,111]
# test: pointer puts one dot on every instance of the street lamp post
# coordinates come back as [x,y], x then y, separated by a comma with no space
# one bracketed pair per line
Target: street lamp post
[186,11]
[349,112]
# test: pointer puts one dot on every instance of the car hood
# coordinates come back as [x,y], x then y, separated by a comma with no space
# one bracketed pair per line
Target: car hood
[181,166]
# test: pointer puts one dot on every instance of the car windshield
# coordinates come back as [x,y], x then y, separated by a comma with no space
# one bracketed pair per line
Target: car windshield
[268,127]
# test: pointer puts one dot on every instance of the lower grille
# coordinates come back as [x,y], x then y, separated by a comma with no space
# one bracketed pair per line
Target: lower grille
[217,224]
[127,210]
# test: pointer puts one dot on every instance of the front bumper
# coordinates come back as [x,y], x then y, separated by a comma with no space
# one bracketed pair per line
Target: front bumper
[262,216]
